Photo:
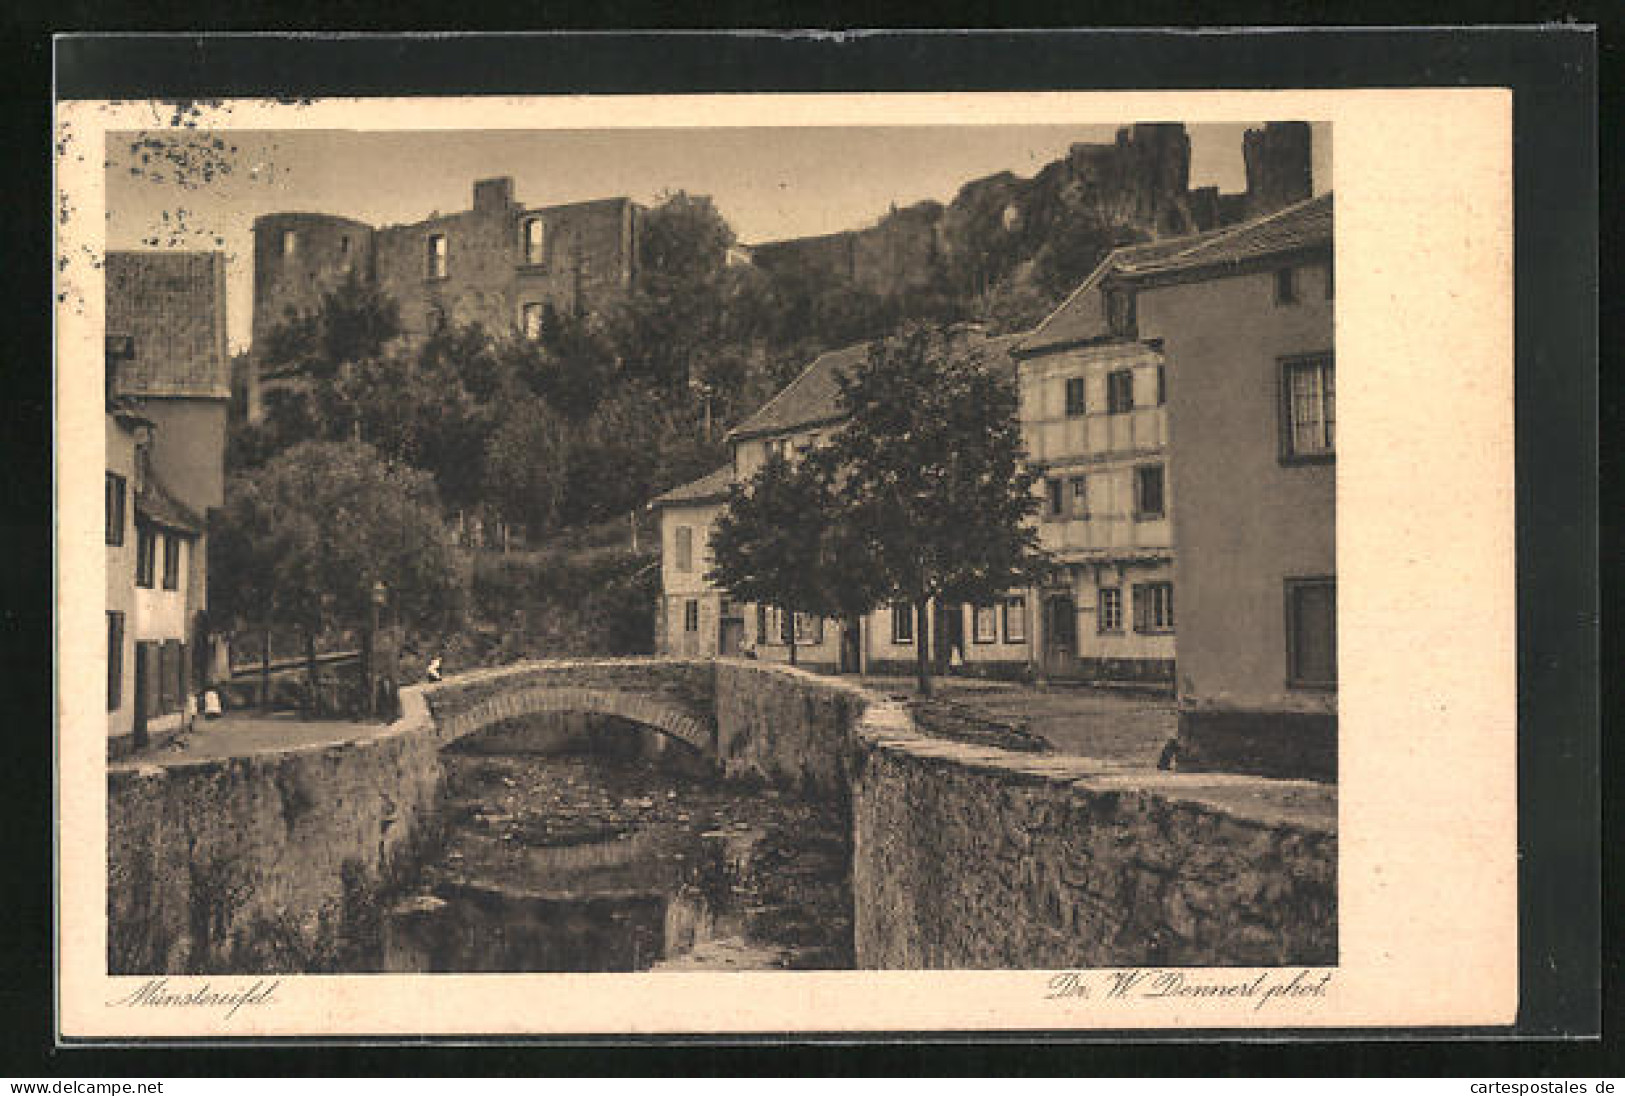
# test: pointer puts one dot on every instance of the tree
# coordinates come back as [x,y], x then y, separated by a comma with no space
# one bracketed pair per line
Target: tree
[354,321]
[932,480]
[775,543]
[304,540]
[675,310]
[526,464]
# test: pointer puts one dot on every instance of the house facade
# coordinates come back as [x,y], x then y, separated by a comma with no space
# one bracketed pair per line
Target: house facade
[499,264]
[167,393]
[698,619]
[1245,321]
[1094,415]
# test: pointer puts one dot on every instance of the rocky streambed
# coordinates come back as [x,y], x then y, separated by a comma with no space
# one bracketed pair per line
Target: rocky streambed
[636,861]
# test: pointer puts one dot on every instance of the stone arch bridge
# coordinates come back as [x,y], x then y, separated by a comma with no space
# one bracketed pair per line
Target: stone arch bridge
[673,697]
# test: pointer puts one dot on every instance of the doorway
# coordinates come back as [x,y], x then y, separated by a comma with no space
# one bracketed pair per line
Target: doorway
[731,632]
[851,659]
[143,692]
[950,636]
[1060,634]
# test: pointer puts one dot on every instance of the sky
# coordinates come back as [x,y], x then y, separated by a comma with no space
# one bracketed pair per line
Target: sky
[769,183]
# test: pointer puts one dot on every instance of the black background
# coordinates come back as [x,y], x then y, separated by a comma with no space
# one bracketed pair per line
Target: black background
[1553,73]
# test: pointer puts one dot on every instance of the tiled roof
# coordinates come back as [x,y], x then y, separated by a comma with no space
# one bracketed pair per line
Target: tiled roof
[1082,316]
[157,505]
[814,397]
[708,488]
[172,305]
[1305,225]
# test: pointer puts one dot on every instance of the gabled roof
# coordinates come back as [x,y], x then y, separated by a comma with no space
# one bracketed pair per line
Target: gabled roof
[814,397]
[708,488]
[1082,317]
[1300,227]
[154,503]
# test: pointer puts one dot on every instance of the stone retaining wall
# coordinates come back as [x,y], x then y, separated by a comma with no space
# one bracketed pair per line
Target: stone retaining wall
[964,855]
[976,857]
[785,725]
[263,859]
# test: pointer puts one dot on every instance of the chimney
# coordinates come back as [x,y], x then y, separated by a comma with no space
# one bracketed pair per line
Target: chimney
[493,195]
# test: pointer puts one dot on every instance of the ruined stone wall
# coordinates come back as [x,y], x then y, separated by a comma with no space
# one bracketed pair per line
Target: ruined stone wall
[587,259]
[1279,166]
[299,257]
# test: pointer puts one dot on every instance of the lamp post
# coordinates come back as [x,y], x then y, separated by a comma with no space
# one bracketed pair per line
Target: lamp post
[380,596]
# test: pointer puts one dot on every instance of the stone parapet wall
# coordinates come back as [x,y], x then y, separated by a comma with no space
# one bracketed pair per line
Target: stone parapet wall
[215,863]
[964,855]
[976,857]
[786,725]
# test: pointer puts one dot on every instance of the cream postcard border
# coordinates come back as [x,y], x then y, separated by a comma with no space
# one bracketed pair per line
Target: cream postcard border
[1425,549]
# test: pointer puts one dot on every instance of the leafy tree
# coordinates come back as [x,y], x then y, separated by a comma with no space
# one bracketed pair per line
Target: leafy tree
[526,464]
[776,542]
[355,320]
[932,478]
[303,540]
[675,309]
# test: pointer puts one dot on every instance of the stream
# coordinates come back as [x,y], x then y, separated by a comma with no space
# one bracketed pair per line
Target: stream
[622,859]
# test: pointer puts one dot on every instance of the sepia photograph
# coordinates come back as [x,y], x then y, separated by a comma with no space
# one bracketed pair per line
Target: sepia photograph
[697,549]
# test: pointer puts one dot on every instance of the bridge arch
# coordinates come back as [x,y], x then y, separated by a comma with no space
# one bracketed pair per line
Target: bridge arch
[518,702]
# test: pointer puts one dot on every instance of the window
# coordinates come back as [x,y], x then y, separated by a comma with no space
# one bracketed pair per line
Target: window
[691,615]
[1055,499]
[1308,409]
[685,548]
[1015,620]
[902,624]
[1121,320]
[1078,492]
[1154,607]
[1286,285]
[1109,618]
[1077,399]
[344,245]
[172,562]
[535,241]
[115,660]
[146,551]
[809,629]
[1120,391]
[290,242]
[1311,632]
[437,256]
[763,633]
[435,320]
[115,508]
[1162,385]
[783,626]
[985,625]
[530,320]
[1148,493]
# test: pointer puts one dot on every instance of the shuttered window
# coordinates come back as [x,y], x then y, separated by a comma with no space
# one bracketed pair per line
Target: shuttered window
[1311,626]
[115,660]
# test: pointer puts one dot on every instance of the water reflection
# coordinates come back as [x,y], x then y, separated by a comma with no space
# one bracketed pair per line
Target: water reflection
[623,863]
